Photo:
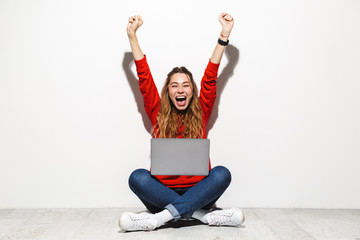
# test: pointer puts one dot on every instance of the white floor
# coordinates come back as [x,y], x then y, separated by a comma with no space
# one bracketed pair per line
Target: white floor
[267,224]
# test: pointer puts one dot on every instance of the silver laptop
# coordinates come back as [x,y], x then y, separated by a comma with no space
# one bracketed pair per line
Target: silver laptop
[180,156]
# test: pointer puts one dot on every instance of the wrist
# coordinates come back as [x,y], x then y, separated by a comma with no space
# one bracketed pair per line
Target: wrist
[131,32]
[224,39]
[225,35]
[132,35]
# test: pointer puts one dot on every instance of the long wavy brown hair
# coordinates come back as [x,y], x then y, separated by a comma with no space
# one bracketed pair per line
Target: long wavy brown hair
[169,119]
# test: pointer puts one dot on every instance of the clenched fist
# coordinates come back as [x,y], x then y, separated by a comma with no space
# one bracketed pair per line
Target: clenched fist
[227,23]
[134,23]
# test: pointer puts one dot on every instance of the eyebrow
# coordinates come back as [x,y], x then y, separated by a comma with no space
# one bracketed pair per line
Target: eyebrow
[178,83]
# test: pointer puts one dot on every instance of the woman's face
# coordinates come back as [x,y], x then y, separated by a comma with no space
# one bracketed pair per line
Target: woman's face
[180,90]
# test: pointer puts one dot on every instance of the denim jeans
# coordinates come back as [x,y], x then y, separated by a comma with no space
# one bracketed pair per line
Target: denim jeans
[181,202]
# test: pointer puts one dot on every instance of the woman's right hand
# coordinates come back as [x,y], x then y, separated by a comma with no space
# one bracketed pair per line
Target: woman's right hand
[134,23]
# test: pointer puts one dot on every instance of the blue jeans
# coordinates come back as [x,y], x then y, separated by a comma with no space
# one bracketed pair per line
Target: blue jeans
[181,202]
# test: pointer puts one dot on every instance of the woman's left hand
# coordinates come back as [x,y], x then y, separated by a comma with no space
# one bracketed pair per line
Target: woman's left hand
[227,23]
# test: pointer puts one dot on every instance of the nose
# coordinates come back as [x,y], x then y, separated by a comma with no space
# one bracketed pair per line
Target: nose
[180,90]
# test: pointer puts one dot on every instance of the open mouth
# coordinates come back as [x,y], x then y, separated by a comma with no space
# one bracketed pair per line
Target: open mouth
[181,101]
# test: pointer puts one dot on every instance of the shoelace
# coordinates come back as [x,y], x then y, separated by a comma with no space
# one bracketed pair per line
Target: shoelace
[137,221]
[222,218]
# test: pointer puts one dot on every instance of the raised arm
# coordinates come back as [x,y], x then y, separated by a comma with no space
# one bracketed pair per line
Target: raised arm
[147,86]
[134,23]
[227,23]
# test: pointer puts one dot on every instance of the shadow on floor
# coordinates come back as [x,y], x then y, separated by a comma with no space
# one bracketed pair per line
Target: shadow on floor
[181,224]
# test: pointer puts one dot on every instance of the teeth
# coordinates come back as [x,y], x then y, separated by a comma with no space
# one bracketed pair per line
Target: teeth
[180,98]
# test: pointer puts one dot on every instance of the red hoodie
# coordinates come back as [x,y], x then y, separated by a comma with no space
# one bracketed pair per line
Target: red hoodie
[151,99]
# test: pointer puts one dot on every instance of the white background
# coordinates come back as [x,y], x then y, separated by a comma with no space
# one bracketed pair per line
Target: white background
[286,123]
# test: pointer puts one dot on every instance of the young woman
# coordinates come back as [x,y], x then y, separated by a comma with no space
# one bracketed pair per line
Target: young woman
[179,113]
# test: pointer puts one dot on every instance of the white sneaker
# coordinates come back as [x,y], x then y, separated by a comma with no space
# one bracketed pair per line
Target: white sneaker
[227,217]
[135,222]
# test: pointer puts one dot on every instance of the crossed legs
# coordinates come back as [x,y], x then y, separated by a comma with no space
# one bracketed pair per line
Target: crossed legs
[172,204]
